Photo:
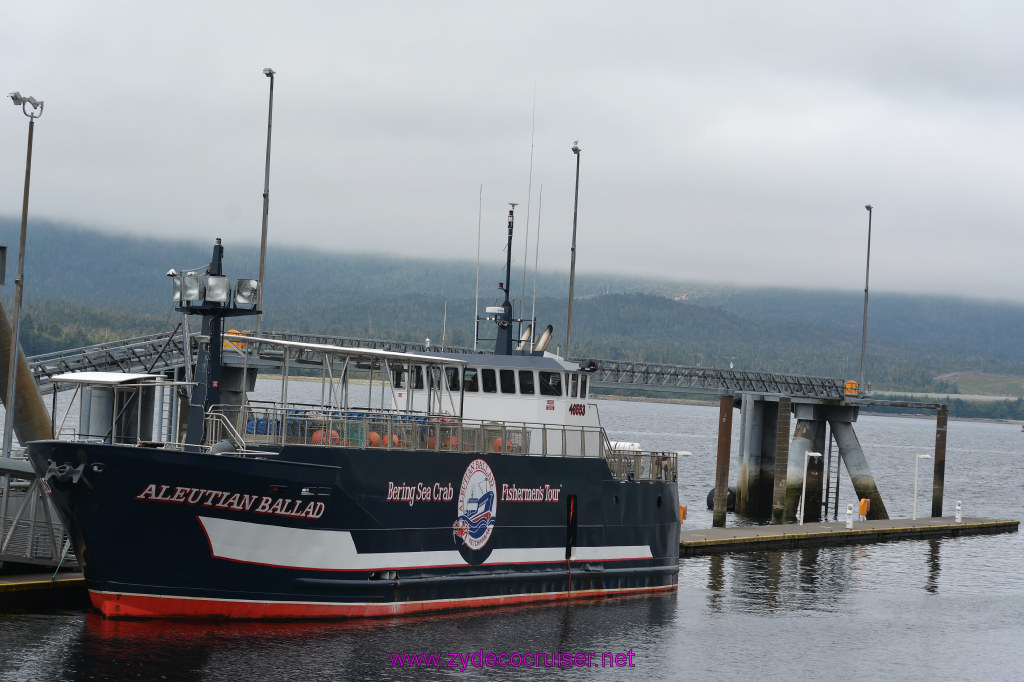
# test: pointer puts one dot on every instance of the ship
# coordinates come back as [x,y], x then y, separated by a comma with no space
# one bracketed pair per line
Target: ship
[420,481]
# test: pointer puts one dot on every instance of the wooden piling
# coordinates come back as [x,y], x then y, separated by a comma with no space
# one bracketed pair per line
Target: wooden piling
[725,407]
[939,475]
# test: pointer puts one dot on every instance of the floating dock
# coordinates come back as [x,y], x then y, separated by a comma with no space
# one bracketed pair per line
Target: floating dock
[705,541]
[32,590]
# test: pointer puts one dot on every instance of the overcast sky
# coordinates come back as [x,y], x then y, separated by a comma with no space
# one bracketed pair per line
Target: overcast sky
[722,141]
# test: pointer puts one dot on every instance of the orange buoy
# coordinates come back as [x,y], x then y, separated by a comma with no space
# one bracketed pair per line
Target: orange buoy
[497,444]
[320,437]
[394,440]
[373,439]
[451,442]
[431,443]
[233,344]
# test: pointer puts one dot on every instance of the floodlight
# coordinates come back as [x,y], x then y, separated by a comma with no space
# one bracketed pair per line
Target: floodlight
[175,286]
[191,287]
[245,291]
[218,289]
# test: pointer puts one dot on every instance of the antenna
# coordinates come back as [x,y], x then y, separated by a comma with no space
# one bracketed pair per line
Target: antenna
[529,196]
[536,257]
[476,303]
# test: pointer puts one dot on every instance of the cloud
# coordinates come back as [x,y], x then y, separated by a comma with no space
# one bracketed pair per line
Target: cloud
[729,142]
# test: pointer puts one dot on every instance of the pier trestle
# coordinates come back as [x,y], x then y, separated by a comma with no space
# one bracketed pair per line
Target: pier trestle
[772,457]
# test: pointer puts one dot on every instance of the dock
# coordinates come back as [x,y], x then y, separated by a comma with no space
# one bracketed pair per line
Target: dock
[32,590]
[705,541]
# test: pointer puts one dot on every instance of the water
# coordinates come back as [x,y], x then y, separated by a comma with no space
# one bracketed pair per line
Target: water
[929,609]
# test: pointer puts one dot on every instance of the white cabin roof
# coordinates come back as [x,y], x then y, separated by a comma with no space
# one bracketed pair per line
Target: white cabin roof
[105,378]
[346,350]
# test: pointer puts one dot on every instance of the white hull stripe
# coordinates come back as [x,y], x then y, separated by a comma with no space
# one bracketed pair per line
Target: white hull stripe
[334,550]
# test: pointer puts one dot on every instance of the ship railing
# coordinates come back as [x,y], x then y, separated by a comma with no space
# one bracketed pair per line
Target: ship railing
[252,427]
[638,465]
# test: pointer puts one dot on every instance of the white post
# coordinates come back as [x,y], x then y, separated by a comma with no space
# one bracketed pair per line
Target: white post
[849,516]
[917,463]
[803,492]
[959,511]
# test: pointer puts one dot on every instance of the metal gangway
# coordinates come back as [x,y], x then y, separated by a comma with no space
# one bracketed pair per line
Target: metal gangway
[159,352]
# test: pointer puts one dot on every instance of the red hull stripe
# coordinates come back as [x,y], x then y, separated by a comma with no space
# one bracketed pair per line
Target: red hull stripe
[125,605]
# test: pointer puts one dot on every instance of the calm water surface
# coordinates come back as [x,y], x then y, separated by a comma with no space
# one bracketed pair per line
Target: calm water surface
[928,609]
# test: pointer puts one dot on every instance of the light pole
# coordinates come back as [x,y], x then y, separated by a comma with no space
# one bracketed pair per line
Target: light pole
[917,463]
[269,73]
[803,493]
[864,329]
[19,283]
[572,264]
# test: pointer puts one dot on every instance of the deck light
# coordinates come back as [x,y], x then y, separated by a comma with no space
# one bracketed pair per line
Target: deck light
[245,291]
[191,287]
[218,289]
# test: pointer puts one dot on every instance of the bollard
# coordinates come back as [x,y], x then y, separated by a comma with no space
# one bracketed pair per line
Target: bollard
[849,516]
[959,511]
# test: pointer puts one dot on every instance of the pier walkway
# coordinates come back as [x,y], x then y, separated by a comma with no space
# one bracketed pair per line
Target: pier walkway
[160,352]
[704,541]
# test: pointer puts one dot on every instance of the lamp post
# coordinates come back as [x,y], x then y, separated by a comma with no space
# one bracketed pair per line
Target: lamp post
[917,463]
[864,329]
[19,283]
[269,73]
[803,492]
[572,264]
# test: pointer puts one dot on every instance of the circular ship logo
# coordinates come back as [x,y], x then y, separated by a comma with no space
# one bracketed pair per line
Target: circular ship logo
[477,510]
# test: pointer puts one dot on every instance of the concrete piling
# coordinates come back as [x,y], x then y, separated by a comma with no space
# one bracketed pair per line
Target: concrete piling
[857,466]
[781,462]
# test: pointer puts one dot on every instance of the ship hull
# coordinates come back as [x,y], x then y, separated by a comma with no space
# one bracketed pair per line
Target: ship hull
[328,531]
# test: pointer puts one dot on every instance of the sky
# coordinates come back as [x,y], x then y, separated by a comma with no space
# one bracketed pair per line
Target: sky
[722,142]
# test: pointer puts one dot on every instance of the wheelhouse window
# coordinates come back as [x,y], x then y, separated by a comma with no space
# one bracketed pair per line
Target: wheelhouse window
[574,385]
[489,381]
[551,383]
[508,380]
[471,380]
[526,381]
[400,378]
[452,374]
[583,386]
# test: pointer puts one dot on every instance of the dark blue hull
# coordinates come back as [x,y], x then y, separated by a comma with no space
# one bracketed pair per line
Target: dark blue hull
[327,531]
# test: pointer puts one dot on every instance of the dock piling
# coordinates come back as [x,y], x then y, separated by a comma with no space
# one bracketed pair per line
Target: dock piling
[722,468]
[939,476]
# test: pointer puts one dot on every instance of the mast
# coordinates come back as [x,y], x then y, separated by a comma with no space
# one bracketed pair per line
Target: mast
[503,342]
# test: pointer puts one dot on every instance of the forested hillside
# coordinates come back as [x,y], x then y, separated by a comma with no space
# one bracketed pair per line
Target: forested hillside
[85,287]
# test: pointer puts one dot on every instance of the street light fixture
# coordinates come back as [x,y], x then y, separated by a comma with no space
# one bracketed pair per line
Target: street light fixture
[269,73]
[864,329]
[803,493]
[572,265]
[917,463]
[19,283]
